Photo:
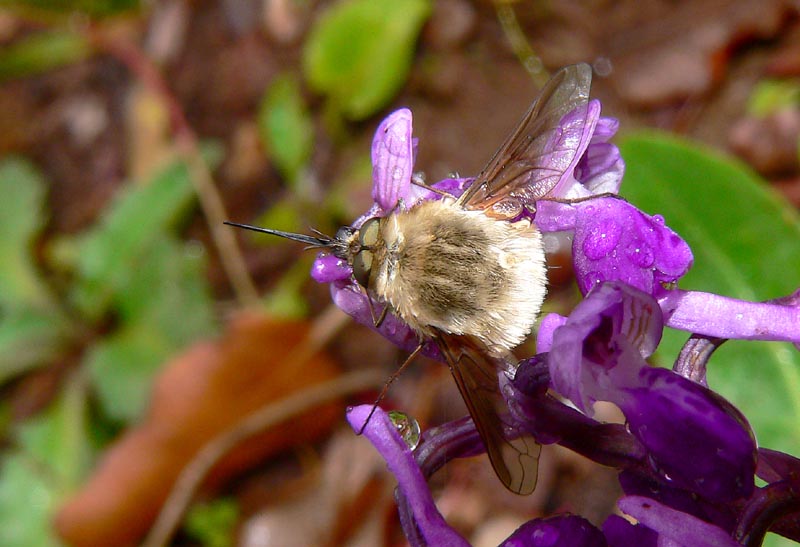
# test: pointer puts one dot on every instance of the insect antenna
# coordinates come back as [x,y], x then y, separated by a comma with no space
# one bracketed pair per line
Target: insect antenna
[392,378]
[338,245]
[320,240]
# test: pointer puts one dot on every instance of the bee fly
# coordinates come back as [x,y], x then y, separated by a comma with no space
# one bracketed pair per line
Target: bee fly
[467,274]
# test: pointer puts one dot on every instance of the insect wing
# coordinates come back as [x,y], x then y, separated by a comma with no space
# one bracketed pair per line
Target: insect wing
[533,159]
[514,453]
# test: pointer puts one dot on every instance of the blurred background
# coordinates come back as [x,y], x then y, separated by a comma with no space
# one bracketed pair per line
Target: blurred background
[167,380]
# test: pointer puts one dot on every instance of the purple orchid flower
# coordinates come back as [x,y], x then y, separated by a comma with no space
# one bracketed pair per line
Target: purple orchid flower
[687,457]
[596,168]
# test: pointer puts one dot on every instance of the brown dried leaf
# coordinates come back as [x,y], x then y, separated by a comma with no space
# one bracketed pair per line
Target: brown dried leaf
[666,51]
[768,143]
[201,393]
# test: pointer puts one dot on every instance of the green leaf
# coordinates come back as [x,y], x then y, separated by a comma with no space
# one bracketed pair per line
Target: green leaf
[29,338]
[110,253]
[122,368]
[213,523]
[286,128]
[51,456]
[27,500]
[94,8]
[32,329]
[359,52]
[770,96]
[41,52]
[746,244]
[286,300]
[21,218]
[165,306]
[58,440]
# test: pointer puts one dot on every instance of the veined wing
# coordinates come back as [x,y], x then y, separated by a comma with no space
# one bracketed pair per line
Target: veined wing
[514,453]
[532,160]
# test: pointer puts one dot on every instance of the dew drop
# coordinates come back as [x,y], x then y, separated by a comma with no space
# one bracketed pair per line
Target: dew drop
[594,278]
[640,253]
[601,239]
[407,426]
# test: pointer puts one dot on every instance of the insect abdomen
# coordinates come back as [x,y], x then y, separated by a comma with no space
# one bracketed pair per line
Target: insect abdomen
[461,272]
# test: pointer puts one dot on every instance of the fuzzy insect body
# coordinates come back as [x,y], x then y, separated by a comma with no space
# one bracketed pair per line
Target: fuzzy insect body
[445,268]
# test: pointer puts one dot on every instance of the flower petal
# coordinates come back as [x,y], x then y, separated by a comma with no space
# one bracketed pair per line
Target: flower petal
[696,440]
[547,327]
[566,151]
[350,298]
[603,344]
[400,459]
[328,268]
[558,531]
[682,528]
[774,466]
[392,159]
[621,533]
[723,317]
[614,241]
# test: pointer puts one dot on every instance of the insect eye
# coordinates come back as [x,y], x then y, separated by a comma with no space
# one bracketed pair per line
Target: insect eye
[369,233]
[362,266]
[344,233]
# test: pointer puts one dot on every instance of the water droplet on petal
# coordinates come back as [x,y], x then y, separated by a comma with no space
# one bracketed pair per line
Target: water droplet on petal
[601,239]
[397,173]
[640,253]
[595,278]
[407,426]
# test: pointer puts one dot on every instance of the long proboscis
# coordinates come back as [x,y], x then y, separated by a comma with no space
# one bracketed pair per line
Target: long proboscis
[323,241]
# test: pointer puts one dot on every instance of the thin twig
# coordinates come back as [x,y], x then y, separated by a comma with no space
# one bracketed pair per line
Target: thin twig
[195,472]
[323,329]
[519,43]
[210,201]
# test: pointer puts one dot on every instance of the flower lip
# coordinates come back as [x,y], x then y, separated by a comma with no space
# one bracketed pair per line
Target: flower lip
[382,433]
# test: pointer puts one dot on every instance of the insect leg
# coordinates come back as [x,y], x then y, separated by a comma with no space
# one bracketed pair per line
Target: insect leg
[418,180]
[389,381]
[377,320]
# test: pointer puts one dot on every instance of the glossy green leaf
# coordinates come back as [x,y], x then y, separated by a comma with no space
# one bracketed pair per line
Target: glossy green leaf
[286,128]
[359,52]
[746,244]
[41,52]
[166,305]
